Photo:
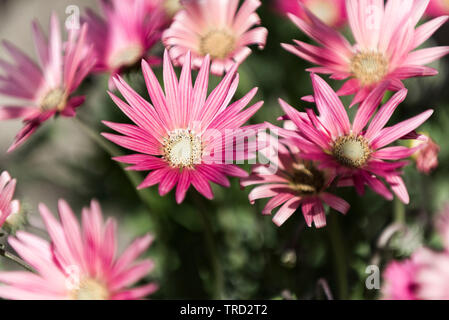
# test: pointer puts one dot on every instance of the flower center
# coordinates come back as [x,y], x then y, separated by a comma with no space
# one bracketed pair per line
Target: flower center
[369,67]
[54,99]
[217,43]
[352,151]
[307,180]
[172,7]
[126,57]
[90,289]
[324,10]
[182,149]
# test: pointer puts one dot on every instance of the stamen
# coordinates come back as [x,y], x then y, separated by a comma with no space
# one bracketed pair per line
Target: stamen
[217,43]
[90,289]
[352,151]
[307,179]
[54,99]
[369,67]
[127,57]
[182,149]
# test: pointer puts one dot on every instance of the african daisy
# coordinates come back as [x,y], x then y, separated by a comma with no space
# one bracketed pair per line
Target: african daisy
[9,208]
[426,157]
[438,7]
[185,138]
[358,152]
[46,89]
[215,28]
[79,263]
[386,39]
[296,183]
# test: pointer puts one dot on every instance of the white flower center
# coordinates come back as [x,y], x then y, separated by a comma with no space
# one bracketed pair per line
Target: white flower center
[325,10]
[182,149]
[126,57]
[369,67]
[53,99]
[217,43]
[90,289]
[352,151]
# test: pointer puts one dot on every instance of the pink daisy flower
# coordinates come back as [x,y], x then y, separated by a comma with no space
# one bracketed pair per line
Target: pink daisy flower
[399,281]
[80,263]
[215,28]
[8,207]
[386,39]
[438,7]
[184,138]
[46,88]
[331,12]
[426,157]
[358,152]
[296,183]
[124,36]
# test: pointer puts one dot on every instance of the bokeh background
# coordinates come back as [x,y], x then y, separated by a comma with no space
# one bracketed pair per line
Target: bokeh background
[252,258]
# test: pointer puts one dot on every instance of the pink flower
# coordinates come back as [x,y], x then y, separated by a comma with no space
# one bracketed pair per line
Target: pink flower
[399,281]
[426,156]
[126,34]
[217,28]
[296,183]
[80,262]
[331,12]
[437,8]
[358,152]
[184,138]
[46,89]
[386,40]
[8,206]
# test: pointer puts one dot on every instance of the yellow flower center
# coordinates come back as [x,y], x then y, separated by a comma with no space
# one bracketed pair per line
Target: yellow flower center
[90,289]
[217,43]
[182,149]
[306,179]
[172,7]
[352,151]
[325,10]
[369,67]
[54,99]
[126,57]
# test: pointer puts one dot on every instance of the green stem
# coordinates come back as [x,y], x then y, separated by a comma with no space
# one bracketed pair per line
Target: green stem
[399,211]
[212,250]
[338,248]
[15,259]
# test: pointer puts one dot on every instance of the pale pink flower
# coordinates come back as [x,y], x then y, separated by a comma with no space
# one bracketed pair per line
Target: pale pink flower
[46,89]
[216,28]
[400,281]
[438,7]
[331,12]
[8,206]
[357,151]
[125,35]
[183,137]
[79,263]
[296,183]
[426,157]
[385,48]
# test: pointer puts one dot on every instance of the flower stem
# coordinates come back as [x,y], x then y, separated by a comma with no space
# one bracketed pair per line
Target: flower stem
[15,259]
[399,211]
[211,248]
[338,249]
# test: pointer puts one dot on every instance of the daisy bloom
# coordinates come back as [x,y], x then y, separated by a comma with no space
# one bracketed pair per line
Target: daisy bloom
[80,263]
[9,208]
[331,12]
[216,28]
[124,36]
[296,183]
[426,157]
[358,152]
[399,281]
[46,89]
[437,8]
[386,39]
[185,138]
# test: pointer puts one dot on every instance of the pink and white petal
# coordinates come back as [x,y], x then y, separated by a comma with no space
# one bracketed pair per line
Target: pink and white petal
[286,211]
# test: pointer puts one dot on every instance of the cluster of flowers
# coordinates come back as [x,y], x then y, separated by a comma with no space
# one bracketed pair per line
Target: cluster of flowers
[183,126]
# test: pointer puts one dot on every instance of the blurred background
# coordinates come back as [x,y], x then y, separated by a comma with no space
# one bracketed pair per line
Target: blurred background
[253,259]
